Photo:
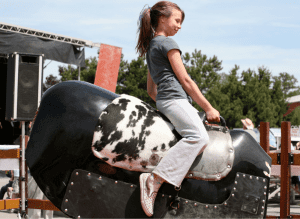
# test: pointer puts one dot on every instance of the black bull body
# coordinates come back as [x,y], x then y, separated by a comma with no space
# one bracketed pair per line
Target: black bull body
[59,150]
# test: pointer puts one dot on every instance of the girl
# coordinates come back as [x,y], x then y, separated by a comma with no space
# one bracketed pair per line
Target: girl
[170,86]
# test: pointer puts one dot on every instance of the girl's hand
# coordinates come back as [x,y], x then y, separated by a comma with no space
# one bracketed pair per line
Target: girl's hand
[213,115]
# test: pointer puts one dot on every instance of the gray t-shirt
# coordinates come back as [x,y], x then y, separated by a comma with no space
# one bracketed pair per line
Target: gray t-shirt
[162,74]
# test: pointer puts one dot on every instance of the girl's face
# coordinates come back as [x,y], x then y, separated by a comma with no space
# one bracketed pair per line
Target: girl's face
[172,24]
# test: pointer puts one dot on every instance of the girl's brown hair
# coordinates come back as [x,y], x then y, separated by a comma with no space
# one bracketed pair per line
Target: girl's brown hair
[149,22]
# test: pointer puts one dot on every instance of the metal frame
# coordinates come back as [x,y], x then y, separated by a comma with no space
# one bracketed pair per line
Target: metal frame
[47,35]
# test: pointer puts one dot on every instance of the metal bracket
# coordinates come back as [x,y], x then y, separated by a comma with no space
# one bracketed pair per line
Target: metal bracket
[291,158]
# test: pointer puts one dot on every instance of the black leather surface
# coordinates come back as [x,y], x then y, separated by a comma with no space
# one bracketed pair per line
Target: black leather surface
[61,137]
[90,195]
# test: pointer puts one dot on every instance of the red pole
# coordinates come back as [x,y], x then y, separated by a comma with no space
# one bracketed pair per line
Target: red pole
[285,169]
[108,67]
[264,135]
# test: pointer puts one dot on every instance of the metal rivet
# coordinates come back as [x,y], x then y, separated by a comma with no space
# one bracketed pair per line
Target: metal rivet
[170,196]
[66,200]
[234,188]
[76,173]
[235,182]
[238,175]
[230,150]
[232,195]
[256,200]
[254,210]
[78,216]
[263,201]
[195,204]
[186,201]
[116,182]
[66,210]
[72,183]
[262,207]
[262,213]
[257,178]
[245,207]
[265,187]
[265,193]
[228,166]
[264,180]
[69,191]
[250,177]
[163,195]
[100,177]
[89,174]
[218,175]
[247,197]
[225,203]
[206,206]
[191,175]
[131,186]
[215,207]
[244,175]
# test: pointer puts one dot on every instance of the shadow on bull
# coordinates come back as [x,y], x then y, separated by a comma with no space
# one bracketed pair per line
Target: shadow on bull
[88,147]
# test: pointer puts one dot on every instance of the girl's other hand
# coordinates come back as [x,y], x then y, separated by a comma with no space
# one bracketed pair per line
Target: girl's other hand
[213,115]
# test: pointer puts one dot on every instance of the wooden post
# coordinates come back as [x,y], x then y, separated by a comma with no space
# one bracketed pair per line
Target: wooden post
[285,169]
[264,136]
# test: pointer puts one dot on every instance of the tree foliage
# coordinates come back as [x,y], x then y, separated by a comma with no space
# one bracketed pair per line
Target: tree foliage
[50,81]
[132,79]
[86,73]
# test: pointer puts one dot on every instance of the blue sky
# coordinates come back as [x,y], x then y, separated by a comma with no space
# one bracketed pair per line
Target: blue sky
[247,33]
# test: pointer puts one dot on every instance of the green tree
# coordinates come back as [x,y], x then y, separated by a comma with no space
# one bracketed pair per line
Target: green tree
[132,79]
[86,73]
[50,81]
[203,70]
[254,95]
[288,83]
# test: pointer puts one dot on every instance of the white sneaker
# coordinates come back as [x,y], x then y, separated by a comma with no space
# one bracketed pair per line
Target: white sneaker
[147,200]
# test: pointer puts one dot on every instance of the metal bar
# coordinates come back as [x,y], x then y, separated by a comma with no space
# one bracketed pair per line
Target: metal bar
[14,153]
[22,175]
[78,73]
[16,84]
[285,169]
[52,36]
[264,135]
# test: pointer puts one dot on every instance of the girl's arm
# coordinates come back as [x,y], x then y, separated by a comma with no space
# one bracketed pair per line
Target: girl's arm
[190,86]
[151,87]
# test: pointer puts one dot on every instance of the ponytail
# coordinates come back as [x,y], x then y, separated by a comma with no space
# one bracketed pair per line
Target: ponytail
[148,22]
[145,30]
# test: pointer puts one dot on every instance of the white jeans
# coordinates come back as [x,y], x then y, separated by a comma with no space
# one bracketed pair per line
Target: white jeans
[177,162]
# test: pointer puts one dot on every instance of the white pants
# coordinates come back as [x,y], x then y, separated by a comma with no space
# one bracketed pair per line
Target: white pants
[177,162]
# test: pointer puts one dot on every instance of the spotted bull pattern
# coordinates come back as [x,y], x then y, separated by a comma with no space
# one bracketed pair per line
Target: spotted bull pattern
[132,135]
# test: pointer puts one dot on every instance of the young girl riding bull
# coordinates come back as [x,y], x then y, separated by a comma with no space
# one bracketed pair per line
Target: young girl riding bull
[171,87]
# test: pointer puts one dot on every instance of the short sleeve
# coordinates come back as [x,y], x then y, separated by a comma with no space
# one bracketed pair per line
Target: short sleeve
[169,44]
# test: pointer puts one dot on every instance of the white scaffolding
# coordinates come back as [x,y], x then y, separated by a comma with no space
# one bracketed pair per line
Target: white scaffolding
[47,35]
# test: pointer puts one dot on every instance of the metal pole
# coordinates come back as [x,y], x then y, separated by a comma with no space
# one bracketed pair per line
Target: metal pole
[22,177]
[78,72]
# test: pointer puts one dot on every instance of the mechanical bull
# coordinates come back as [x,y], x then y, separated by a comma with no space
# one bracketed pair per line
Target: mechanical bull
[88,147]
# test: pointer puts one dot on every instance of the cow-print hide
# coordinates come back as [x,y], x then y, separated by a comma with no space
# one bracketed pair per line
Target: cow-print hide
[132,135]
